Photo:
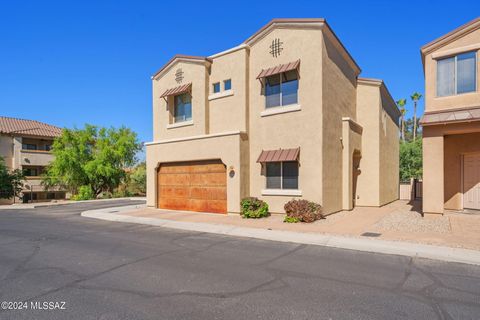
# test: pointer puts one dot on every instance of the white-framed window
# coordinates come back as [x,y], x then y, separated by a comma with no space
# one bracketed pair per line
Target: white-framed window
[216,87]
[282,175]
[457,74]
[281,89]
[182,108]
[227,84]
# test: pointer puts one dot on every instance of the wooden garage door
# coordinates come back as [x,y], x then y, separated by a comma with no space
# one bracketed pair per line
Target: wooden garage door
[193,186]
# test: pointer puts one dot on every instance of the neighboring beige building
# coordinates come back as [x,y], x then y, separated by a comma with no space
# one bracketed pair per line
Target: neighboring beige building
[25,144]
[283,115]
[451,124]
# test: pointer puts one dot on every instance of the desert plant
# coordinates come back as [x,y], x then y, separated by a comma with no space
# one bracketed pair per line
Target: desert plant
[303,210]
[291,219]
[253,208]
[84,193]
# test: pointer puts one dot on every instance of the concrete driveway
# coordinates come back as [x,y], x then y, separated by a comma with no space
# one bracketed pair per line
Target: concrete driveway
[105,270]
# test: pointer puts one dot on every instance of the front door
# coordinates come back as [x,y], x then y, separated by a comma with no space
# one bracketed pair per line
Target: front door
[471,181]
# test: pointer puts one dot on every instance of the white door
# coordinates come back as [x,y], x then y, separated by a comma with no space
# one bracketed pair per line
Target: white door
[471,181]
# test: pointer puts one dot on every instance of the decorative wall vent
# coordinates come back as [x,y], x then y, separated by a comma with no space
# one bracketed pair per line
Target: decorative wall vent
[179,75]
[276,47]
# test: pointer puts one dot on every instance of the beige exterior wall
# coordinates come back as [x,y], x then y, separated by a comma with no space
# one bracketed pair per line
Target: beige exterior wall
[197,74]
[302,128]
[378,180]
[338,101]
[6,150]
[434,103]
[229,112]
[444,144]
[325,124]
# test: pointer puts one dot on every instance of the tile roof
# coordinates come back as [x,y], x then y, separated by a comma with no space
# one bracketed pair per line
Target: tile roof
[28,127]
[460,115]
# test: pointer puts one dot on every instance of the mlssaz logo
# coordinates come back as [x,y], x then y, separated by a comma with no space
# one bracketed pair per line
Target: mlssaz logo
[276,47]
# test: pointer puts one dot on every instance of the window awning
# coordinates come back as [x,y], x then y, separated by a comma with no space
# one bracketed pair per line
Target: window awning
[279,69]
[279,155]
[177,90]
[461,115]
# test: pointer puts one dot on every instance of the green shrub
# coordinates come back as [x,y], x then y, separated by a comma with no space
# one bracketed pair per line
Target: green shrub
[303,210]
[84,193]
[254,208]
[291,219]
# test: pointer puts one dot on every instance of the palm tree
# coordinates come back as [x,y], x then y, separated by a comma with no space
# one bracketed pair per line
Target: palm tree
[415,97]
[401,105]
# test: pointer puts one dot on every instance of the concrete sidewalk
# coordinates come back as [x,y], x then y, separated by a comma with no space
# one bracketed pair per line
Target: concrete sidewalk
[304,233]
[20,206]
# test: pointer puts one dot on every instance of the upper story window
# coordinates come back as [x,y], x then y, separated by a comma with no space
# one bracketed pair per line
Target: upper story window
[48,147]
[281,89]
[183,107]
[216,87]
[227,84]
[456,75]
[282,175]
[29,146]
[30,172]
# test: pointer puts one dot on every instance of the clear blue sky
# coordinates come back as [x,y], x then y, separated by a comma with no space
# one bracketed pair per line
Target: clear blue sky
[74,62]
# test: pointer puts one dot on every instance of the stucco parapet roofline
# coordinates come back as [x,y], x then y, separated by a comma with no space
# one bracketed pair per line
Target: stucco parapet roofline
[199,137]
[301,23]
[449,37]
[354,125]
[181,57]
[381,84]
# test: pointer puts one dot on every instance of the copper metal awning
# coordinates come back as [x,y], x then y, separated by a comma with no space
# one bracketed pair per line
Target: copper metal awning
[450,116]
[279,69]
[177,90]
[279,155]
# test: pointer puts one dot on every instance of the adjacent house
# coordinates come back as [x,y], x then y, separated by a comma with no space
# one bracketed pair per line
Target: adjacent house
[26,144]
[451,123]
[282,116]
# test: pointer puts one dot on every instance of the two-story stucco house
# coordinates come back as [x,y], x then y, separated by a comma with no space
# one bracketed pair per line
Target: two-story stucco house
[451,123]
[25,144]
[283,115]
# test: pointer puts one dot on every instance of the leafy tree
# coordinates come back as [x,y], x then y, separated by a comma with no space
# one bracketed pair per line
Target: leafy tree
[415,98]
[92,156]
[401,106]
[410,160]
[138,179]
[11,182]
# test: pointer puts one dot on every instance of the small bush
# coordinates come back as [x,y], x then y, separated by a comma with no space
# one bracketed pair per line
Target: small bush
[84,193]
[291,219]
[254,208]
[303,210]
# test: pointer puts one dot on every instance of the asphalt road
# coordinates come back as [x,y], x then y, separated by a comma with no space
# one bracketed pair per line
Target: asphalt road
[107,270]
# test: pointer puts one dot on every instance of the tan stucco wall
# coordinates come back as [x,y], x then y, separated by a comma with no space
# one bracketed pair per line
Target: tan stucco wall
[227,148]
[338,101]
[197,74]
[230,112]
[368,115]
[377,113]
[433,103]
[294,129]
[6,150]
[435,161]
[455,146]
[389,150]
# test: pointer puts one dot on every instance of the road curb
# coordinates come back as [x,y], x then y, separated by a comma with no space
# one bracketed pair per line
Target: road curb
[409,249]
[62,203]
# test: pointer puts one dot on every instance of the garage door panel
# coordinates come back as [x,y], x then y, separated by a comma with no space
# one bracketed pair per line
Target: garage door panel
[193,186]
[175,192]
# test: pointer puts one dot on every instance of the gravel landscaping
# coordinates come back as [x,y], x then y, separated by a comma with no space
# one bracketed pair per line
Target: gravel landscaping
[412,221]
